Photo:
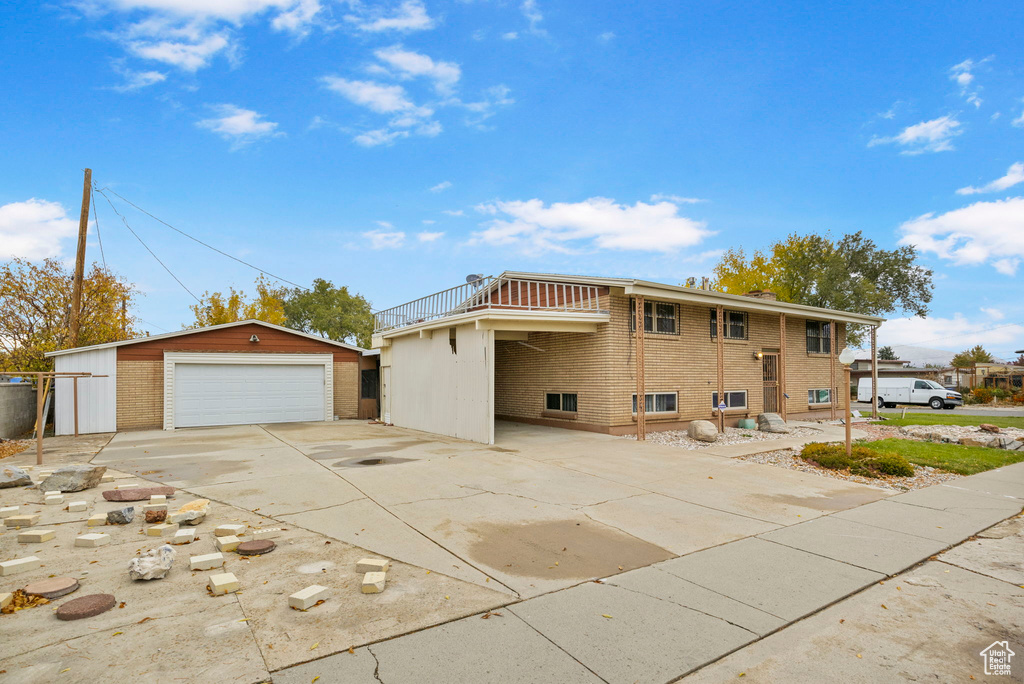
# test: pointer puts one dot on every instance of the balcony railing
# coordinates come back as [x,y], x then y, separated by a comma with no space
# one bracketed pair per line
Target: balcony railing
[491,293]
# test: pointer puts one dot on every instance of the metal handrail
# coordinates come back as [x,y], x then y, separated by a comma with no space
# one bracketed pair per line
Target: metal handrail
[491,293]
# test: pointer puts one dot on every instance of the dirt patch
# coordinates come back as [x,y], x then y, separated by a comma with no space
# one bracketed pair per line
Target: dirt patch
[841,500]
[349,454]
[561,549]
[372,461]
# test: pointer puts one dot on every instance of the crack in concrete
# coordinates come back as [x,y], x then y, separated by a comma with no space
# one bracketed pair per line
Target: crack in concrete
[376,668]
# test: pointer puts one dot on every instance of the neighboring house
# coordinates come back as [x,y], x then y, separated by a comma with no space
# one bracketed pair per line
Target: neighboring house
[561,351]
[999,375]
[236,373]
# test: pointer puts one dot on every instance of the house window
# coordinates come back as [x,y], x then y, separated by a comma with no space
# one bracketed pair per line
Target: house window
[557,401]
[819,337]
[819,396]
[659,317]
[368,384]
[733,400]
[658,402]
[735,325]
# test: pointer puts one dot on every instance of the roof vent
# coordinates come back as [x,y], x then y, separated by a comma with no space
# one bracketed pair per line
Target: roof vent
[254,339]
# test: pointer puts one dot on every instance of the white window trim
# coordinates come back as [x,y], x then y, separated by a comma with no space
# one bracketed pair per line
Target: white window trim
[819,403]
[746,401]
[656,413]
[273,359]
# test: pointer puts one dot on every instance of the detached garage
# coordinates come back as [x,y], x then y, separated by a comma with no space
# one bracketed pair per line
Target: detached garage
[232,374]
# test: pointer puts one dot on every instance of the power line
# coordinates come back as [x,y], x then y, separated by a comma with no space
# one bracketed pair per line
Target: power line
[208,246]
[96,221]
[125,221]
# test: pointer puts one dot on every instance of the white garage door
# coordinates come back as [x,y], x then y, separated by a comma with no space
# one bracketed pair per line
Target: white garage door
[235,394]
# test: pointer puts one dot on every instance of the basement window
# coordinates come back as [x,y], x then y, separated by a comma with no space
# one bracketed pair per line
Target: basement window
[733,400]
[735,325]
[819,337]
[819,396]
[659,402]
[659,317]
[559,401]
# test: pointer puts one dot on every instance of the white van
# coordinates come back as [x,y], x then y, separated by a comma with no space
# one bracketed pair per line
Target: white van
[892,391]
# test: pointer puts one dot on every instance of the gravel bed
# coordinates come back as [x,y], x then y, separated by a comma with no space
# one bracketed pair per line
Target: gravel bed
[958,431]
[923,476]
[679,438]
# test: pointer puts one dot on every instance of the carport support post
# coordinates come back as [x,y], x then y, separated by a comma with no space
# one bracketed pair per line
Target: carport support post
[782,365]
[720,336]
[874,371]
[641,394]
[74,389]
[849,444]
[833,343]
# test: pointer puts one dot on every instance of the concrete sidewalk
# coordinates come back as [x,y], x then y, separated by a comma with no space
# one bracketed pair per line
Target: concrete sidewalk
[658,623]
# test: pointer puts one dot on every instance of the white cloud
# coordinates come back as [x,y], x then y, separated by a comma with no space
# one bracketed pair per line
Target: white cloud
[511,35]
[441,187]
[963,75]
[1014,175]
[454,212]
[134,80]
[385,239]
[187,56]
[381,98]
[481,110]
[606,37]
[429,237]
[597,222]
[533,16]
[984,232]
[994,314]
[428,222]
[379,136]
[445,75]
[385,224]
[1019,121]
[953,333]
[238,125]
[409,16]
[33,229]
[928,136]
[676,199]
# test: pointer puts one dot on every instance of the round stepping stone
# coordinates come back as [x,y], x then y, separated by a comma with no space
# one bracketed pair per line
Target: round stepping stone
[52,588]
[86,606]
[256,548]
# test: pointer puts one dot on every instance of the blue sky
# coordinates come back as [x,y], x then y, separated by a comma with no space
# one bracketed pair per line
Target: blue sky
[395,147]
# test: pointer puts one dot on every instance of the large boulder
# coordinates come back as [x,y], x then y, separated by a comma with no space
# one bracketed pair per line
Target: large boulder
[987,427]
[702,431]
[13,476]
[978,441]
[73,478]
[154,564]
[771,422]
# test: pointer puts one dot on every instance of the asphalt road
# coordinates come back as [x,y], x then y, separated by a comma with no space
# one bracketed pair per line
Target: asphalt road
[864,406]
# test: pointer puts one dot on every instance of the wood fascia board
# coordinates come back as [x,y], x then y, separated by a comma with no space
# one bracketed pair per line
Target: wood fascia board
[537,325]
[512,335]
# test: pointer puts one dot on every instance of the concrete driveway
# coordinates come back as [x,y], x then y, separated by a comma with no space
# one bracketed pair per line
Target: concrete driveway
[545,510]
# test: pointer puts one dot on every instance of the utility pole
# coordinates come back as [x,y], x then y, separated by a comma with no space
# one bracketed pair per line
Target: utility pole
[76,291]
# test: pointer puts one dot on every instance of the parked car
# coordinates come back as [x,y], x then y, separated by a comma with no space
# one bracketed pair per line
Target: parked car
[892,391]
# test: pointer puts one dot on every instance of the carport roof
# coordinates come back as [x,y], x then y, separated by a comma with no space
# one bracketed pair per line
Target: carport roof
[192,331]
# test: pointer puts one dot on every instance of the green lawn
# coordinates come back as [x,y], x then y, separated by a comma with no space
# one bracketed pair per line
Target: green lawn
[965,460]
[950,419]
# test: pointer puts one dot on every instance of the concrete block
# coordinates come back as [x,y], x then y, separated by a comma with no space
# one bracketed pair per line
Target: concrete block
[8,511]
[184,536]
[36,536]
[13,567]
[267,533]
[21,520]
[54,500]
[52,492]
[91,541]
[154,507]
[130,485]
[373,565]
[107,477]
[373,582]
[157,499]
[223,583]
[308,597]
[228,543]
[230,530]
[5,599]
[162,530]
[97,520]
[207,561]
[78,506]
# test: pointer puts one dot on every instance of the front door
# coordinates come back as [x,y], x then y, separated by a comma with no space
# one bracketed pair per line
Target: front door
[770,367]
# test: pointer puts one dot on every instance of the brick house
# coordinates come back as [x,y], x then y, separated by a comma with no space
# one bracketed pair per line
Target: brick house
[562,351]
[236,373]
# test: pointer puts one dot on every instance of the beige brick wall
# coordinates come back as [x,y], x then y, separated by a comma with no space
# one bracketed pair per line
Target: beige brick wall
[140,395]
[600,368]
[346,389]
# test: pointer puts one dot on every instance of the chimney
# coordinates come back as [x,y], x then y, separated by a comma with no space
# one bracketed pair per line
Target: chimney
[762,294]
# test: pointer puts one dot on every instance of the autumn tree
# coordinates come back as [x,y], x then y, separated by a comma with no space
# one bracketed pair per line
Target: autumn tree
[217,308]
[887,354]
[35,311]
[969,358]
[849,274]
[331,312]
[1019,361]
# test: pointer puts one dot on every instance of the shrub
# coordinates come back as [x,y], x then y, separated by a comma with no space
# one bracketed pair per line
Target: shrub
[983,395]
[863,461]
[1000,393]
[1018,398]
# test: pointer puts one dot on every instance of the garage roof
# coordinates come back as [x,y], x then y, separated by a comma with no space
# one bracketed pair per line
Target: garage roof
[193,331]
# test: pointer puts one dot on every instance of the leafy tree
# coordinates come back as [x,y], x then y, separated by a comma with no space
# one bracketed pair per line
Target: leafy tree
[851,274]
[330,312]
[1019,361]
[969,358]
[218,308]
[887,354]
[35,311]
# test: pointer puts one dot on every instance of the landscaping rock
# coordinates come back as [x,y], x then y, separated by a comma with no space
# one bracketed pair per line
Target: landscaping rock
[702,430]
[73,478]
[771,422]
[1001,442]
[987,427]
[52,588]
[191,513]
[154,564]
[86,606]
[13,476]
[136,493]
[976,441]
[158,516]
[121,516]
